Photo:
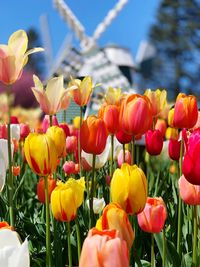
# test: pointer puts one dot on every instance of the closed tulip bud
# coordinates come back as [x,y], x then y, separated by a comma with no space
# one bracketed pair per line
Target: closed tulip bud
[114,217]
[14,120]
[66,198]
[120,157]
[41,153]
[190,194]
[41,188]
[3,132]
[136,114]
[24,131]
[46,122]
[16,170]
[152,218]
[110,115]
[58,136]
[69,167]
[185,111]
[154,142]
[98,205]
[171,118]
[161,126]
[76,122]
[123,137]
[15,131]
[71,144]
[171,133]
[65,128]
[93,135]
[129,188]
[108,249]
[191,160]
[174,148]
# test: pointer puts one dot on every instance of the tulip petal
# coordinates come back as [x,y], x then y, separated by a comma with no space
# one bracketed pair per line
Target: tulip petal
[42,99]
[18,42]
[34,50]
[20,256]
[2,173]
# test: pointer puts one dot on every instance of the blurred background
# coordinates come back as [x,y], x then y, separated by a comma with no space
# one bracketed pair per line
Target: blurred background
[130,44]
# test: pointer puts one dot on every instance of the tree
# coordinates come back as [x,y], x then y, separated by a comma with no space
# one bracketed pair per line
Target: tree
[176,37]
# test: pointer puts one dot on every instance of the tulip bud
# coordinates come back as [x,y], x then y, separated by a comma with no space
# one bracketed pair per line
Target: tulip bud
[120,157]
[190,194]
[15,131]
[161,126]
[3,132]
[98,205]
[171,133]
[41,188]
[174,148]
[58,136]
[71,144]
[123,137]
[154,142]
[16,170]
[24,131]
[14,120]
[65,128]
[152,218]
[69,167]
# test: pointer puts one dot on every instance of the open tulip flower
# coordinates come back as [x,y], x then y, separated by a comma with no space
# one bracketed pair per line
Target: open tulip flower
[129,188]
[13,57]
[152,218]
[54,97]
[104,249]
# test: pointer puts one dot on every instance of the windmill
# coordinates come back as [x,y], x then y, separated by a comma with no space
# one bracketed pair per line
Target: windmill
[109,66]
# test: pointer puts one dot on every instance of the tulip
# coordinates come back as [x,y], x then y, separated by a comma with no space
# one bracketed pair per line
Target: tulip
[41,188]
[114,217]
[82,90]
[69,167]
[110,115]
[157,99]
[46,122]
[93,135]
[120,157]
[41,153]
[190,194]
[16,170]
[53,99]
[76,122]
[12,252]
[161,126]
[123,137]
[171,133]
[191,161]
[113,96]
[65,128]
[15,131]
[154,142]
[57,134]
[136,114]
[13,57]
[174,148]
[5,225]
[3,131]
[98,204]
[71,144]
[152,218]
[129,188]
[185,111]
[24,131]
[107,248]
[66,198]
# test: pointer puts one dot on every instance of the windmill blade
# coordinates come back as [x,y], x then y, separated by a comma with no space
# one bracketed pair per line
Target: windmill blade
[108,19]
[71,20]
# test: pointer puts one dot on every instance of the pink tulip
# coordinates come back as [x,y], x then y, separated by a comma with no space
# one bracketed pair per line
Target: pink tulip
[24,130]
[69,167]
[152,218]
[120,157]
[190,194]
[104,249]
[71,144]
[46,122]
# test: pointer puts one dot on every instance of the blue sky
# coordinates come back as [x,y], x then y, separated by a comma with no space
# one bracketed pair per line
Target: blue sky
[128,29]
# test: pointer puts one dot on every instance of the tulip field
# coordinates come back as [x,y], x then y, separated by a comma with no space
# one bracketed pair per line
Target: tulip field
[118,188]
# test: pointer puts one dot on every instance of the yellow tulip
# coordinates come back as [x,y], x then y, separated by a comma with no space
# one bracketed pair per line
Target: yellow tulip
[57,134]
[76,122]
[41,153]
[172,133]
[129,188]
[13,57]
[113,96]
[66,198]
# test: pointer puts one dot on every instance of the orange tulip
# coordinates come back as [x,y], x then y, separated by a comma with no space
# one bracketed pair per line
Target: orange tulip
[136,114]
[190,194]
[5,225]
[161,126]
[104,249]
[16,170]
[114,217]
[152,218]
[41,188]
[185,111]
[93,135]
[110,115]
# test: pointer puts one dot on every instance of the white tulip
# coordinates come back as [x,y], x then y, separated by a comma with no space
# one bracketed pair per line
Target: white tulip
[15,131]
[12,252]
[98,204]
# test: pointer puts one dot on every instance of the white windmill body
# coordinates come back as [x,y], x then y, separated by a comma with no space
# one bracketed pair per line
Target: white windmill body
[110,66]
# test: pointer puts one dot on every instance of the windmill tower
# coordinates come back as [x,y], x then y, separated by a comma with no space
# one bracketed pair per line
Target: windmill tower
[109,66]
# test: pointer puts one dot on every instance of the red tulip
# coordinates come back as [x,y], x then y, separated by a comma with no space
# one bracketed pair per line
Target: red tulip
[174,147]
[189,193]
[110,115]
[152,218]
[24,131]
[154,142]
[65,128]
[3,131]
[104,249]
[41,188]
[123,137]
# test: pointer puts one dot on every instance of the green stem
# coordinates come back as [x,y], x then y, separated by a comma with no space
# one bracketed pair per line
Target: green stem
[69,245]
[48,241]
[112,156]
[92,192]
[133,149]
[64,115]
[78,239]
[164,249]
[152,251]
[50,120]
[194,252]
[10,176]
[180,202]
[137,154]
[124,153]
[79,141]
